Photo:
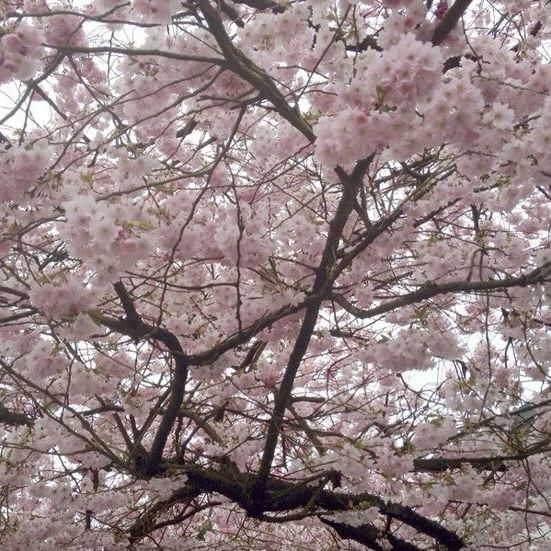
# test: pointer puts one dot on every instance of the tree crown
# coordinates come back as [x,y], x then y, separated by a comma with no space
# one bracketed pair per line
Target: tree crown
[275,274]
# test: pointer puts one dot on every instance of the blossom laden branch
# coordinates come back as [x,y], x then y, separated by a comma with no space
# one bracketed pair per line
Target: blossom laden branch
[351,184]
[253,74]
[430,290]
[132,52]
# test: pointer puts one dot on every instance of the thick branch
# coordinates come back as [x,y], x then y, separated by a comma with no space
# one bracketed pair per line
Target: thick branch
[147,331]
[493,463]
[346,205]
[282,496]
[442,464]
[21,294]
[262,4]
[135,325]
[453,15]
[367,534]
[231,12]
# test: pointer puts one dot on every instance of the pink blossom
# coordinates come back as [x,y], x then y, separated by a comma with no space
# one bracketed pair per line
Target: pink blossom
[20,53]
[281,260]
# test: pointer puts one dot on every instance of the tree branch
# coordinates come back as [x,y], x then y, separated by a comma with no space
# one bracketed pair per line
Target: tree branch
[351,185]
[275,6]
[134,325]
[429,290]
[365,44]
[368,534]
[145,524]
[282,495]
[450,19]
[8,417]
[254,75]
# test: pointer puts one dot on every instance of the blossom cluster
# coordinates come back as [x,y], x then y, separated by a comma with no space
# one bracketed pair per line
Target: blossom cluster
[21,168]
[20,53]
[379,107]
[65,300]
[104,236]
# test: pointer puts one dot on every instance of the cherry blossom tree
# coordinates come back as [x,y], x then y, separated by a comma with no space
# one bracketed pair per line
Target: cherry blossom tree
[276,274]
